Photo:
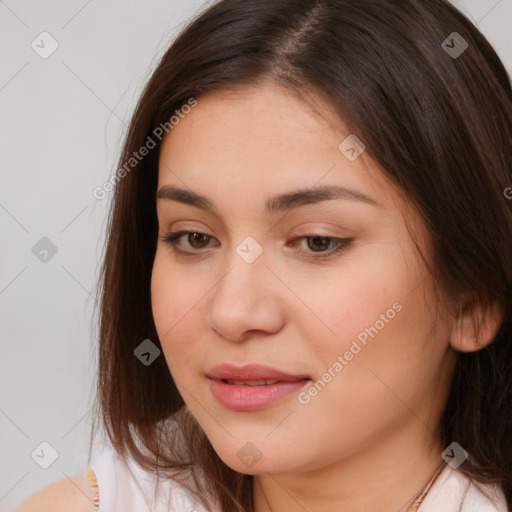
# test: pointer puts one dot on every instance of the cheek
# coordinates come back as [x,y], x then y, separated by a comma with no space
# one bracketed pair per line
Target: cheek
[376,315]
[175,294]
[364,291]
[174,302]
[164,289]
[382,350]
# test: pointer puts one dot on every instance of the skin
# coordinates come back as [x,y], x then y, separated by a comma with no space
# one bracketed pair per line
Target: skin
[366,441]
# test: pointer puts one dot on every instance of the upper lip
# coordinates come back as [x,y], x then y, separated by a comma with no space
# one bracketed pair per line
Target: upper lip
[251,372]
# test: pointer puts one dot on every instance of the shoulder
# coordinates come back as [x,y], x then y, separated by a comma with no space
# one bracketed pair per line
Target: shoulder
[61,496]
[120,484]
[453,491]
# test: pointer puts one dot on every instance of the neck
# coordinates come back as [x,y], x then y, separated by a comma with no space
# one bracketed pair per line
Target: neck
[386,477]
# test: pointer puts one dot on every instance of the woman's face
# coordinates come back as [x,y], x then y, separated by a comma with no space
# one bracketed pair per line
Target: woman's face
[323,286]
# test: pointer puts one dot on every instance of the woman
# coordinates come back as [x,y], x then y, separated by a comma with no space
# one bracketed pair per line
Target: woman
[307,283]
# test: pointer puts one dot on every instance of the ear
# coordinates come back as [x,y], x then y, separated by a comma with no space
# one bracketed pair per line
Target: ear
[476,325]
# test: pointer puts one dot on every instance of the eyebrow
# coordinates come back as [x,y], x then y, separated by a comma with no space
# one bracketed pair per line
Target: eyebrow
[280,203]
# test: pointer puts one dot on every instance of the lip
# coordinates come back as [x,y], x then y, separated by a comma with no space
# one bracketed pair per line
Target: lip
[252,372]
[249,398]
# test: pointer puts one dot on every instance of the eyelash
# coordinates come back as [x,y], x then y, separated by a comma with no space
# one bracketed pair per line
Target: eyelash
[342,244]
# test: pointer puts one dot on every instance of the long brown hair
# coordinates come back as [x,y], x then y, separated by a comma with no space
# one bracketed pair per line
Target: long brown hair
[438,123]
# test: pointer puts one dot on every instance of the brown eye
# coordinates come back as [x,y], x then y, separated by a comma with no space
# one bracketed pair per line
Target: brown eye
[319,243]
[198,238]
[318,246]
[195,241]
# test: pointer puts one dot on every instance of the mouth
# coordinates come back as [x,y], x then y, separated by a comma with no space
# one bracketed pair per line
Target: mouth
[252,374]
[252,387]
[250,382]
[253,395]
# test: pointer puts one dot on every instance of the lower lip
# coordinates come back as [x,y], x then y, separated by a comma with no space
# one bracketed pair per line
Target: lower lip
[251,398]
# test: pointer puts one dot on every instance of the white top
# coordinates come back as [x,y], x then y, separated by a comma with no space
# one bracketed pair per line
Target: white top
[119,491]
[123,488]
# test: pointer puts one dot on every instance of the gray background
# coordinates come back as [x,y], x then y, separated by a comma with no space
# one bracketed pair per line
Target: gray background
[62,121]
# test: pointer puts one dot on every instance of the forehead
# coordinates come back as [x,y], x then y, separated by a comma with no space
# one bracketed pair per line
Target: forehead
[263,138]
[249,118]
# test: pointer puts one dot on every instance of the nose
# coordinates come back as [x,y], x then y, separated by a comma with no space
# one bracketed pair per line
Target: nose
[246,301]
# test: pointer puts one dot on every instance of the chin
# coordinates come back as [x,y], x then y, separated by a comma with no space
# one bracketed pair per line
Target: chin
[254,458]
